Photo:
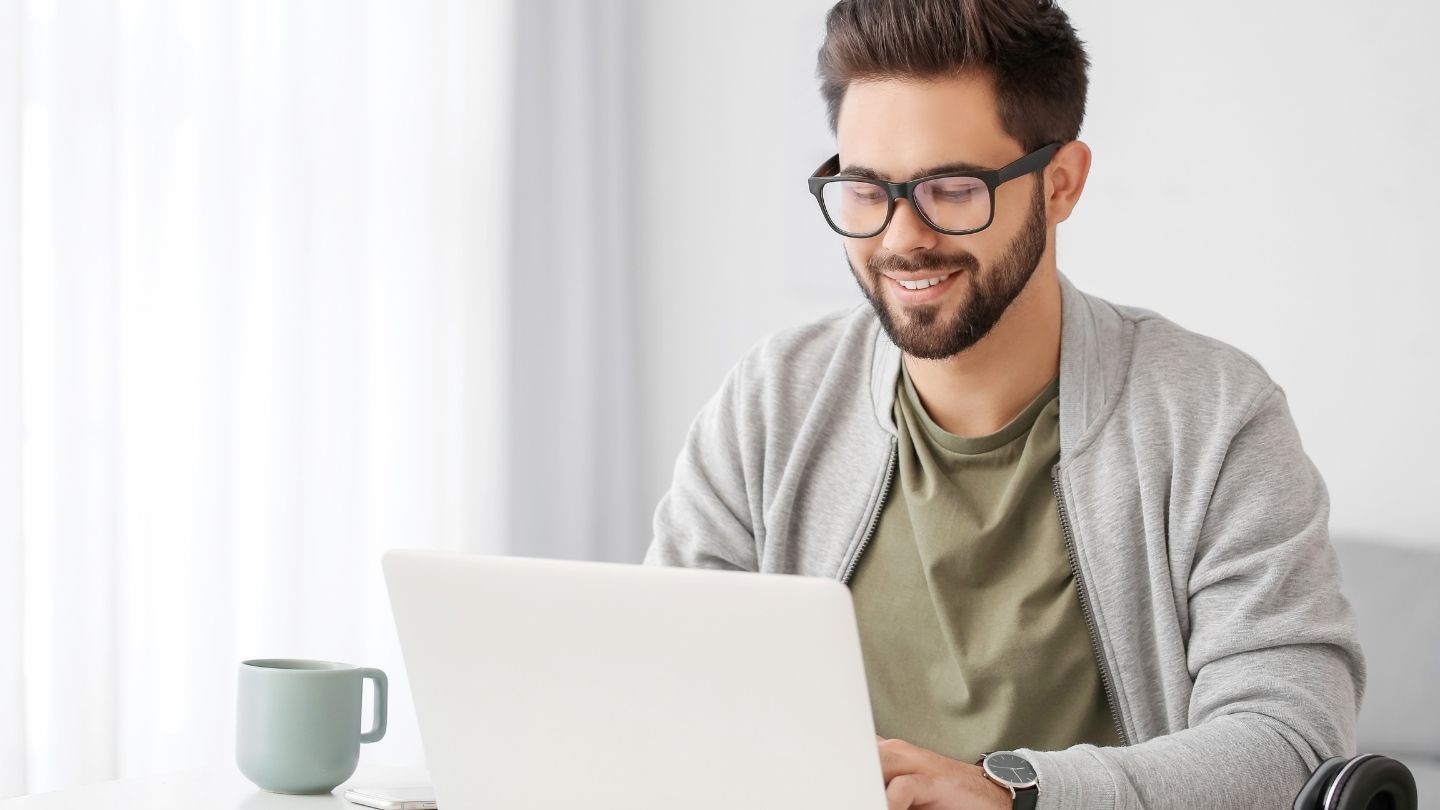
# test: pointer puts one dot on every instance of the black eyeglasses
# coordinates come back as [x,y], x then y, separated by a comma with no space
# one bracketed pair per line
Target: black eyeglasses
[954,203]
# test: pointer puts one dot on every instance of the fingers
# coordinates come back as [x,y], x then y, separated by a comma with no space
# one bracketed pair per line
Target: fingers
[899,757]
[910,790]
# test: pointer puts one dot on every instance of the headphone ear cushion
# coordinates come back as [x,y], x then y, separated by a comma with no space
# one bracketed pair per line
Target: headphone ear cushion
[1311,795]
[1377,779]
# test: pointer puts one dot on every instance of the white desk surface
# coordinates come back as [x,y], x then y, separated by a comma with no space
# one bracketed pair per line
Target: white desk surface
[220,788]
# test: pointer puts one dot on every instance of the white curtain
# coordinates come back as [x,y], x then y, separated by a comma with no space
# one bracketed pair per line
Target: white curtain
[255,284]
[12,593]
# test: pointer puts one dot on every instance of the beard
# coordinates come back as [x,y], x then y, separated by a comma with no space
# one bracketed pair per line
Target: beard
[922,331]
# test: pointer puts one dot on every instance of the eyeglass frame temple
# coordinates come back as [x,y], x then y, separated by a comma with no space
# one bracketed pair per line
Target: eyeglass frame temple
[992,178]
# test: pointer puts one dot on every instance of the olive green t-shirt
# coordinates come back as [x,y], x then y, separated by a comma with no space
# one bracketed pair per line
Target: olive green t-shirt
[969,620]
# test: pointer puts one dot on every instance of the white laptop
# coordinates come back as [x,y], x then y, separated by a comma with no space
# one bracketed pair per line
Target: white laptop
[551,684]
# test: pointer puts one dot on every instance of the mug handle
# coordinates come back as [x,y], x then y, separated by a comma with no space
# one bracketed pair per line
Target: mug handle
[382,687]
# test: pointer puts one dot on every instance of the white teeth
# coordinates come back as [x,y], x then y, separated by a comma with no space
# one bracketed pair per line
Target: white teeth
[922,283]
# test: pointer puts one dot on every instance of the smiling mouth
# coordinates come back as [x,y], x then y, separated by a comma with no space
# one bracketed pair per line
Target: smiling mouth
[920,284]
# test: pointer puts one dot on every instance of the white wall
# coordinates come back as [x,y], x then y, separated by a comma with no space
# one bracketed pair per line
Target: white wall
[1262,174]
[723,88]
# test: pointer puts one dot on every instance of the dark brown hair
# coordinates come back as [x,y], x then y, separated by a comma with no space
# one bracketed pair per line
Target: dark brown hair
[1027,47]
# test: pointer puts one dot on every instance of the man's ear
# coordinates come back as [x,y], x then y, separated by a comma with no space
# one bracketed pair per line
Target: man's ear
[1065,180]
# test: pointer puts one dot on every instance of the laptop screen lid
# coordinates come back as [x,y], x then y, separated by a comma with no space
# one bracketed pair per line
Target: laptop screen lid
[560,684]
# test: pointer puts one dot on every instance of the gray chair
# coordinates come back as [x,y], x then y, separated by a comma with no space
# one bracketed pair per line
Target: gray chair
[1395,590]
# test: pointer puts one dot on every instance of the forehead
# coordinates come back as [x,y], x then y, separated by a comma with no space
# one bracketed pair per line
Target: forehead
[898,127]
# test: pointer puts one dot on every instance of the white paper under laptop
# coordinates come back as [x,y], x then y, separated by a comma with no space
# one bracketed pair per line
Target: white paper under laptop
[550,684]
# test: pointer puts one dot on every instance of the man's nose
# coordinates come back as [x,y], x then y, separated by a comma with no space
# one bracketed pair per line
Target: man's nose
[907,232]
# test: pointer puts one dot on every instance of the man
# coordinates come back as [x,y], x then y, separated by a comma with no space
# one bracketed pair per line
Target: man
[1083,542]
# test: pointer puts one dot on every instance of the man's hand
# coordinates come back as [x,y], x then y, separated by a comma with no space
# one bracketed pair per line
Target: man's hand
[924,780]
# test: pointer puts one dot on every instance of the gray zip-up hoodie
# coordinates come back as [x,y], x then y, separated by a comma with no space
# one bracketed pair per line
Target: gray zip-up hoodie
[1196,524]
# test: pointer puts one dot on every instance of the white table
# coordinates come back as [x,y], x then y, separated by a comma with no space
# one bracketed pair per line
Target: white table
[221,788]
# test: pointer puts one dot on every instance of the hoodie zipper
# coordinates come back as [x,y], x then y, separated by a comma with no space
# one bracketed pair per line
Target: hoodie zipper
[875,516]
[1080,588]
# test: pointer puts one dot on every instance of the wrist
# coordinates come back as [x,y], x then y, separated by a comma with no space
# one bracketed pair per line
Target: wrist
[996,796]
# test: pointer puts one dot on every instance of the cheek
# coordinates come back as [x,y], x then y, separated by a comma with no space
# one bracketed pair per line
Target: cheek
[1011,216]
[859,251]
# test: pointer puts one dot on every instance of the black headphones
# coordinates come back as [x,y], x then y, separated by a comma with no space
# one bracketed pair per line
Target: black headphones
[1367,782]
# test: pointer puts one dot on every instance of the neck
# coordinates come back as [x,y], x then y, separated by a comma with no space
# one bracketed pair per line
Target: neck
[980,390]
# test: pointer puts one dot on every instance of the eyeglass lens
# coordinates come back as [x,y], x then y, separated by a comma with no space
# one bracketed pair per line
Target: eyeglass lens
[952,203]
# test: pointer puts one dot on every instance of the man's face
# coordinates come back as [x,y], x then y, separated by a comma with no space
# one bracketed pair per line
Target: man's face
[901,129]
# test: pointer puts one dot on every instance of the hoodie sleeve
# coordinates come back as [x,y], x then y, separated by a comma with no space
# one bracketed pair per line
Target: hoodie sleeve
[1277,670]
[704,520]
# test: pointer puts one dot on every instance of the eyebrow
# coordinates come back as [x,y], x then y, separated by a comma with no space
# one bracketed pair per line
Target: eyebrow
[854,170]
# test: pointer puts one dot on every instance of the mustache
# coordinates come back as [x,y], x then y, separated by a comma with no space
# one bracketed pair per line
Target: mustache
[927,261]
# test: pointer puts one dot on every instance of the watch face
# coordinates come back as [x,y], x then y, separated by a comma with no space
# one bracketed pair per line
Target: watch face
[1012,769]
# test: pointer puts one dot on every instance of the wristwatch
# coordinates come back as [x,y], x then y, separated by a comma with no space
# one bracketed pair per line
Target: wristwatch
[1014,773]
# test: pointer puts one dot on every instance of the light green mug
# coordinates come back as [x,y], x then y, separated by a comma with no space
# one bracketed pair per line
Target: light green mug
[297,729]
